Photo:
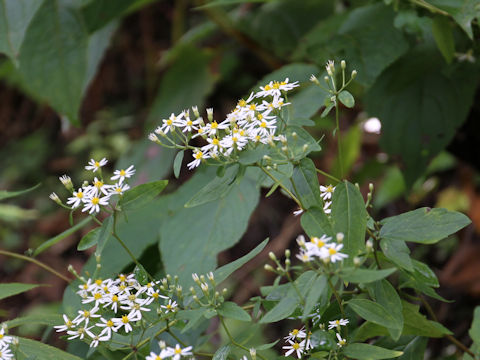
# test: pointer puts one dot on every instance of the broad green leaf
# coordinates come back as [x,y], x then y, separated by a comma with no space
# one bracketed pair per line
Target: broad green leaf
[43,319]
[316,223]
[351,145]
[422,273]
[474,331]
[463,11]
[222,352]
[267,346]
[190,238]
[398,252]
[193,316]
[369,352]
[231,310]
[373,312]
[15,16]
[443,35]
[141,195]
[387,296]
[356,275]
[306,183]
[31,349]
[283,309]
[420,103]
[415,349]
[89,240]
[306,103]
[346,99]
[226,270]
[300,142]
[350,218]
[140,274]
[319,286]
[53,58]
[417,324]
[11,289]
[369,330]
[177,163]
[214,3]
[424,225]
[218,188]
[186,83]
[104,235]
[10,194]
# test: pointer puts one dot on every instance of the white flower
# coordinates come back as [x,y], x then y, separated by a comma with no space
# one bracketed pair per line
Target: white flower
[332,252]
[4,339]
[164,353]
[341,342]
[171,306]
[76,198]
[53,196]
[326,207]
[294,346]
[178,352]
[68,324]
[199,156]
[304,256]
[97,338]
[337,323]
[85,315]
[108,327]
[95,165]
[326,192]
[5,353]
[118,189]
[125,321]
[296,334]
[78,333]
[298,212]
[93,204]
[123,174]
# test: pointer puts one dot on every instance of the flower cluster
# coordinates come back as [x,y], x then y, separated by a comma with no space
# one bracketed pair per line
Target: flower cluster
[253,121]
[298,342]
[116,305]
[5,342]
[98,193]
[326,194]
[336,324]
[322,248]
[169,352]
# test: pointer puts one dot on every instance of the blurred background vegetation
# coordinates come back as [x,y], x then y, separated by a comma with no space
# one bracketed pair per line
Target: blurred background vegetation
[83,79]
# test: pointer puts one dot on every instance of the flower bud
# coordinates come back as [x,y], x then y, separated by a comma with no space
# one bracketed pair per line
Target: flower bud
[269,267]
[55,198]
[343,64]
[210,276]
[369,245]
[326,79]
[67,182]
[287,253]
[195,278]
[210,114]
[195,111]
[340,237]
[357,261]
[354,74]
[253,353]
[305,147]
[294,135]
[153,137]
[192,290]
[314,79]
[272,256]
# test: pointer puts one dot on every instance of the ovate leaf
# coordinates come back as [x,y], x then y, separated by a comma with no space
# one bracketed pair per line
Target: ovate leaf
[443,35]
[316,223]
[373,312]
[231,310]
[356,275]
[32,349]
[306,184]
[11,289]
[369,352]
[346,99]
[141,195]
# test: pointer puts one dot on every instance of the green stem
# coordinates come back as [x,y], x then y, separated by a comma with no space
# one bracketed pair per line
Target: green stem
[331,177]
[453,340]
[294,198]
[337,297]
[339,138]
[232,340]
[49,243]
[36,262]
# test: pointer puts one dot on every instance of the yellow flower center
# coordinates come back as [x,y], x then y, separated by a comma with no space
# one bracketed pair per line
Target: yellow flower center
[97,296]
[97,164]
[98,184]
[242,103]
[79,195]
[95,201]
[125,319]
[158,357]
[131,297]
[86,314]
[263,124]
[68,323]
[214,125]
[267,87]
[259,116]
[122,278]
[169,122]
[276,85]
[109,323]
[234,139]
[1,336]
[122,172]
[253,107]
[98,282]
[199,155]
[200,131]
[329,189]
[189,122]
[295,332]
[296,345]
[114,298]
[332,251]
[178,351]
[215,142]
[155,295]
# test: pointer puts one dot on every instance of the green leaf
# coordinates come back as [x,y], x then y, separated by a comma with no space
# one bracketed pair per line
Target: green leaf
[141,195]
[43,319]
[283,309]
[415,349]
[211,227]
[53,57]
[424,225]
[267,346]
[177,163]
[231,310]
[31,349]
[350,218]
[297,138]
[474,331]
[10,194]
[356,275]
[417,324]
[140,274]
[463,11]
[420,103]
[222,352]
[11,289]
[226,270]
[369,352]
[316,223]
[89,240]
[346,99]
[319,286]
[443,35]
[104,235]
[387,296]
[373,312]
[307,187]
[398,252]
[327,110]
[15,16]
[214,3]
[193,316]
[216,189]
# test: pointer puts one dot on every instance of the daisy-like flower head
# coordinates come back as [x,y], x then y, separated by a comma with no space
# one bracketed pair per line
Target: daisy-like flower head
[95,165]
[164,353]
[6,353]
[67,326]
[76,198]
[326,192]
[118,189]
[332,253]
[296,334]
[341,342]
[4,338]
[126,320]
[178,352]
[171,306]
[198,155]
[92,203]
[337,323]
[123,174]
[294,347]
